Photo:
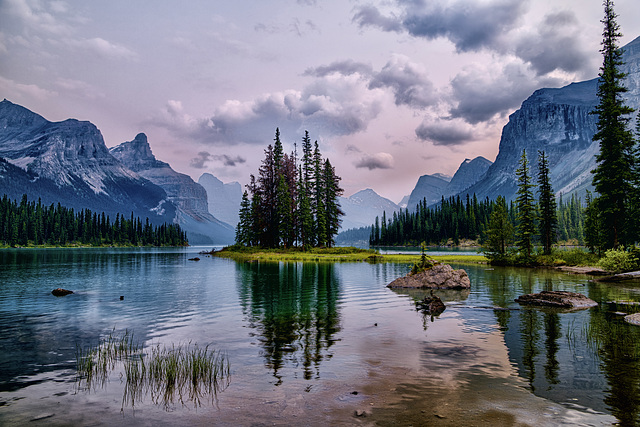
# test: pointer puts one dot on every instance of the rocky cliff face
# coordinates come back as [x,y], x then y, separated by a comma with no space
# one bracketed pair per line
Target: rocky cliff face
[68,162]
[189,197]
[434,187]
[224,199]
[557,121]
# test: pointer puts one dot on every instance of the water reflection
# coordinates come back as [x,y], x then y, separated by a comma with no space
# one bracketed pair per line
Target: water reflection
[293,307]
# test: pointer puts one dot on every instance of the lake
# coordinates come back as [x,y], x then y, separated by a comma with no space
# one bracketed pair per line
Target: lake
[313,343]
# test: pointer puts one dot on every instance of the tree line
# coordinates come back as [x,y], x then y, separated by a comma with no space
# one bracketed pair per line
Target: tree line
[32,223]
[292,202]
[492,222]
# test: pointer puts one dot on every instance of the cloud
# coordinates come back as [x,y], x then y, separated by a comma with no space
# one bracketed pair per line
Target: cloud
[408,82]
[345,68]
[14,90]
[230,160]
[445,133]
[203,157]
[369,15]
[334,105]
[199,161]
[375,161]
[554,46]
[104,48]
[497,26]
[482,91]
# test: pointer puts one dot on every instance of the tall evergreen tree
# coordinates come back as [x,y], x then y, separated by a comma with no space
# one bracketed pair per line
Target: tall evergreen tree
[547,204]
[592,226]
[612,175]
[499,232]
[526,212]
[332,192]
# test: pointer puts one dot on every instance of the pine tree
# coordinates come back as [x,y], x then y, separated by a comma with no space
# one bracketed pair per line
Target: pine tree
[526,213]
[593,238]
[499,232]
[612,175]
[547,203]
[332,192]
[244,228]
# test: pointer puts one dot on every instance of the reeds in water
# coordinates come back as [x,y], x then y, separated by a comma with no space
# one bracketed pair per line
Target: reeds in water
[180,373]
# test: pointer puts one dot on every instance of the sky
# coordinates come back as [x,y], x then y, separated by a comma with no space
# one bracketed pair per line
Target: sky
[390,89]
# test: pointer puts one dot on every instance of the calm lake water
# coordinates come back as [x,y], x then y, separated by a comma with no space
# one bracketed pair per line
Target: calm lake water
[313,344]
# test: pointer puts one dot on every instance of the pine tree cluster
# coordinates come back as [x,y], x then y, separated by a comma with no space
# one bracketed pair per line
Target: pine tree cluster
[292,202]
[32,223]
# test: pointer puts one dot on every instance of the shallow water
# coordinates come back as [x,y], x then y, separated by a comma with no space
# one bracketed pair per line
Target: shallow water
[312,343]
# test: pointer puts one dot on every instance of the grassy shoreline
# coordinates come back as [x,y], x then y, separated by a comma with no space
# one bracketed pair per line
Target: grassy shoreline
[339,254]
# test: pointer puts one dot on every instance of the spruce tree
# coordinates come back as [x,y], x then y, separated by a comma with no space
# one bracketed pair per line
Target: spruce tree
[547,203]
[526,212]
[332,192]
[612,175]
[499,232]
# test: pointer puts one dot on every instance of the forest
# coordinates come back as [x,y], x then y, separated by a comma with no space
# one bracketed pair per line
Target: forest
[31,223]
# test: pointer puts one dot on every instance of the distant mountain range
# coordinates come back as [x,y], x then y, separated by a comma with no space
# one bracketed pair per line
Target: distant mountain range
[361,208]
[434,187]
[189,197]
[68,163]
[224,199]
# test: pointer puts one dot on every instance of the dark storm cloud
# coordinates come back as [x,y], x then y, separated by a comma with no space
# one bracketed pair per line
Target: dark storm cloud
[478,94]
[444,134]
[408,82]
[369,15]
[345,68]
[469,25]
[554,46]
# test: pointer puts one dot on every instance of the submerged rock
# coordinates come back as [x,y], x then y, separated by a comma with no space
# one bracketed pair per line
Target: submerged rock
[558,299]
[633,319]
[440,276]
[431,305]
[59,292]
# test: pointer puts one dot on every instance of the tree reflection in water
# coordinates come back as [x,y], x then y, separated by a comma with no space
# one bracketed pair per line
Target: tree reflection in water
[293,308]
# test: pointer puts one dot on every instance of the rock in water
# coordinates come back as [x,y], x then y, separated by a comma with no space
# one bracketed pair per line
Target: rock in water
[558,299]
[440,276]
[59,292]
[431,305]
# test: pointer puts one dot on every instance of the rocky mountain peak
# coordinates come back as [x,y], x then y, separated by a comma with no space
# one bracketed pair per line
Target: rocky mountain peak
[137,154]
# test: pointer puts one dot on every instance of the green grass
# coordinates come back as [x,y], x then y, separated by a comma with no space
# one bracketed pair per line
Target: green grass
[180,373]
[338,254]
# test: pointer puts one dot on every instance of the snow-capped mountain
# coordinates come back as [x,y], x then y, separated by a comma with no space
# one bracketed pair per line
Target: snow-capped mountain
[224,199]
[361,209]
[68,162]
[558,122]
[189,197]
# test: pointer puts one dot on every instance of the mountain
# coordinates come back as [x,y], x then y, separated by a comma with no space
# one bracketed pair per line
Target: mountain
[189,197]
[224,199]
[68,163]
[469,172]
[361,209]
[557,121]
[434,187]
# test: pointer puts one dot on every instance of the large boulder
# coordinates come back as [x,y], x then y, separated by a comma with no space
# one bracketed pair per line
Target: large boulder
[440,276]
[557,299]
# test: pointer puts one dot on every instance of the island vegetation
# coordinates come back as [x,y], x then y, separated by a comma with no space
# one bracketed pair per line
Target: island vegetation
[291,203]
[33,224]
